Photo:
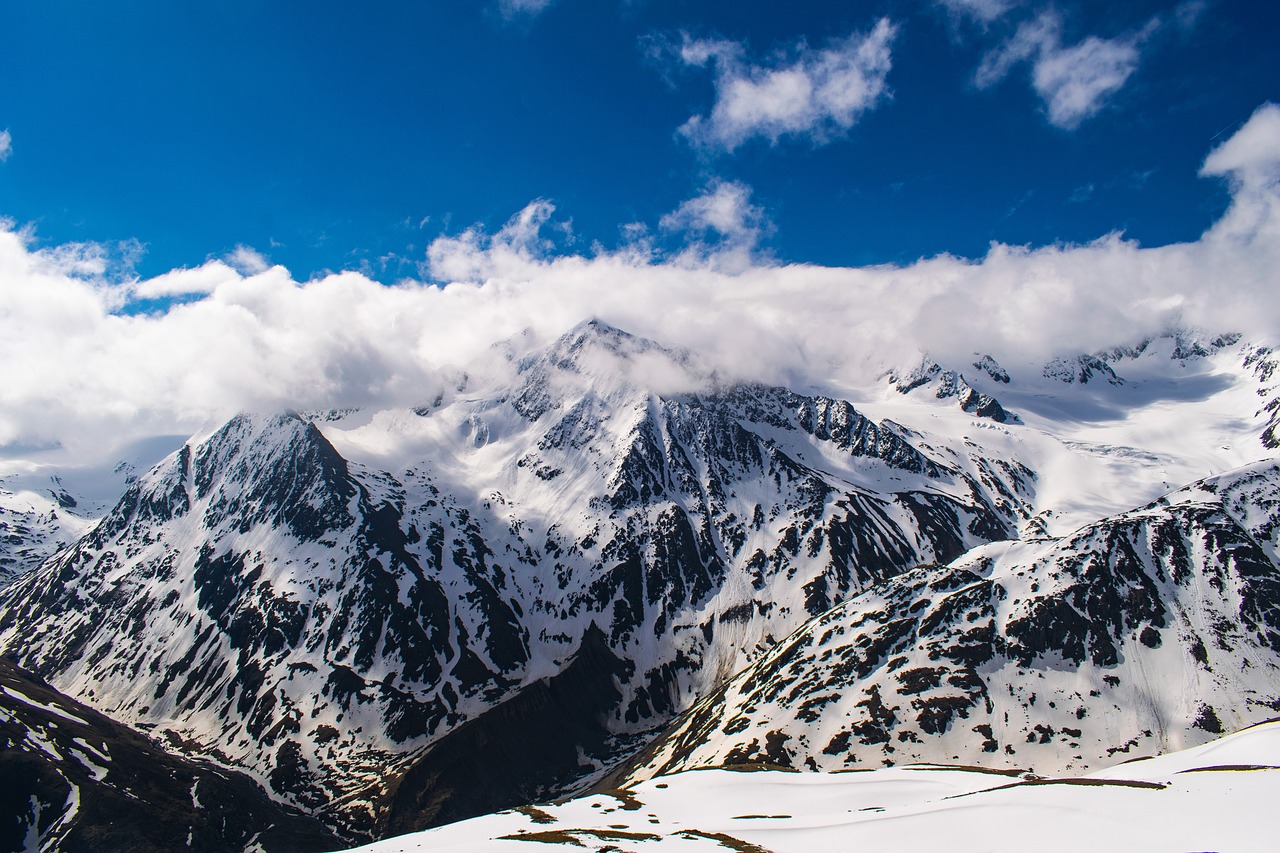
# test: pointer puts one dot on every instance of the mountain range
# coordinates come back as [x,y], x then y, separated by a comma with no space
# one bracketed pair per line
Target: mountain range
[593,560]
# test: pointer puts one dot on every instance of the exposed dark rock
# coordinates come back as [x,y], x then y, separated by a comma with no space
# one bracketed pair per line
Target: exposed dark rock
[524,750]
[90,784]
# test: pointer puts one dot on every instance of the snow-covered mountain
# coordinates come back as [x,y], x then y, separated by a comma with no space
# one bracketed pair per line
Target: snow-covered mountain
[49,499]
[316,621]
[344,604]
[1149,631]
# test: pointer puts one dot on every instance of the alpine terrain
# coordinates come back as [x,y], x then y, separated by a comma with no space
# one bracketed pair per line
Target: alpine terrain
[592,560]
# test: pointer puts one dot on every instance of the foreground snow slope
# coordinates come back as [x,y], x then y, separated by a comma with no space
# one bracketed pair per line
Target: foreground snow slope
[1219,796]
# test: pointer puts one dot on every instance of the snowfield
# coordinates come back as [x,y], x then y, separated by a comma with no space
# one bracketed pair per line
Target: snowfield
[1218,796]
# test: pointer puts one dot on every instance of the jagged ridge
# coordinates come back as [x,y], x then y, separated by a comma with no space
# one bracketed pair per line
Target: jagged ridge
[318,622]
[1148,631]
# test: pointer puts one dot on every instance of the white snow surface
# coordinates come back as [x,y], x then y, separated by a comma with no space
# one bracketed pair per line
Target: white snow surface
[1219,796]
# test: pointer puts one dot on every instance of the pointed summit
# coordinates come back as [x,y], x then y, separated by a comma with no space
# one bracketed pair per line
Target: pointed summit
[597,359]
[593,346]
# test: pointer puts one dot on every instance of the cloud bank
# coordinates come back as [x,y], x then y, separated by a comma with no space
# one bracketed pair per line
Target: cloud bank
[86,356]
[803,92]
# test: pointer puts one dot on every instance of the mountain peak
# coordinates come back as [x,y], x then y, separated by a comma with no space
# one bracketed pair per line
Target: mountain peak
[594,346]
[596,358]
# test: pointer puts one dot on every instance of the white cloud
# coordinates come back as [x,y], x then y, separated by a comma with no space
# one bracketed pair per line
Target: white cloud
[1250,161]
[1251,156]
[187,282]
[247,261]
[516,8]
[1074,82]
[77,368]
[474,255]
[6,145]
[723,225]
[981,11]
[808,92]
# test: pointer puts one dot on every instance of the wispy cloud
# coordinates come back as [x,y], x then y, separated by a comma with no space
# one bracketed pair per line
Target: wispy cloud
[247,261]
[78,367]
[1187,15]
[1074,81]
[981,11]
[807,92]
[520,8]
[1081,194]
[6,145]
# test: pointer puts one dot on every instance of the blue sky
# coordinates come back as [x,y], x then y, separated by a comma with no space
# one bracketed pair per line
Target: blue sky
[268,206]
[339,136]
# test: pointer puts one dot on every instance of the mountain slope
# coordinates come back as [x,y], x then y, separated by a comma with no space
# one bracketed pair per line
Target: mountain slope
[1214,797]
[73,780]
[317,621]
[1144,632]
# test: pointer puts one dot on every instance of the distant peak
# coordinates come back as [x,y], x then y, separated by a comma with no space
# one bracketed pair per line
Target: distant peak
[593,343]
[596,329]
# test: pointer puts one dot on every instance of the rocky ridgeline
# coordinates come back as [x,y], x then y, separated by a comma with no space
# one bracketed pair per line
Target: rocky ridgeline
[1153,630]
[267,603]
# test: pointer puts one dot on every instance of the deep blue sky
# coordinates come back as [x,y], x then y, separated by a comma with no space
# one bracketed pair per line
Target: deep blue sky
[330,134]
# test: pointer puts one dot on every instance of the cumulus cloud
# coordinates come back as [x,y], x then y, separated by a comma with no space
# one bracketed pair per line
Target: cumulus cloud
[809,92]
[1075,81]
[1251,156]
[79,366]
[6,145]
[1250,161]
[237,265]
[186,282]
[474,255]
[724,226]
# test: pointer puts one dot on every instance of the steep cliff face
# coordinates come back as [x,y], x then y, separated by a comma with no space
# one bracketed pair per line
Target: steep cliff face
[1152,630]
[318,621]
